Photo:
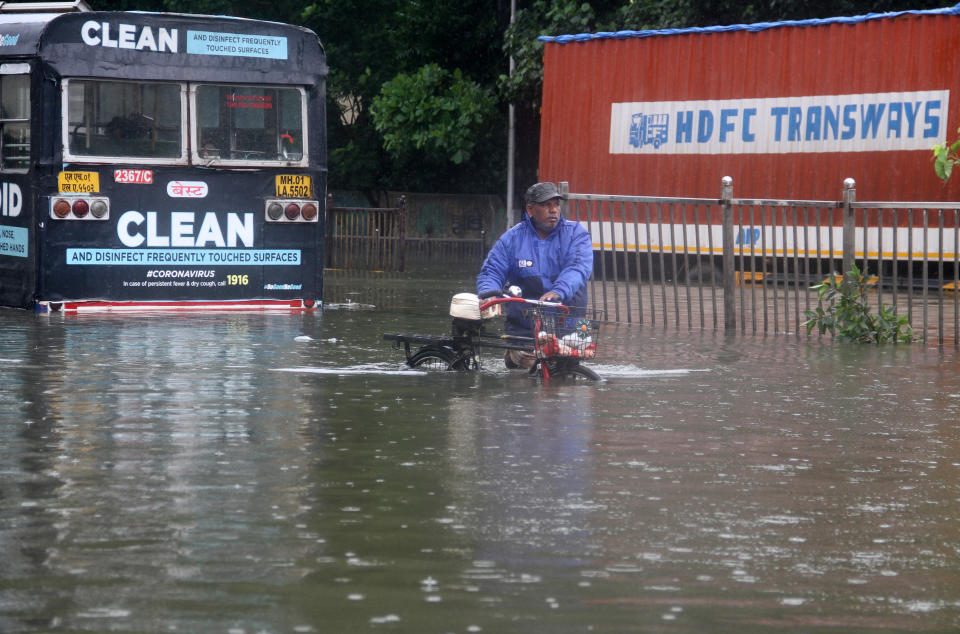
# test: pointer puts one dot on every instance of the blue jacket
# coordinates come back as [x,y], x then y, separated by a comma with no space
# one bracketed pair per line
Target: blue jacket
[562,263]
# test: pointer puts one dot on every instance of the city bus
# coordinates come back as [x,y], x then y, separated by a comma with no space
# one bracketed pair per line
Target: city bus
[159,161]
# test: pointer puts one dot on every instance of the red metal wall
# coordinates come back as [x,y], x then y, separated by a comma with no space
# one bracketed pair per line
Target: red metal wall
[891,54]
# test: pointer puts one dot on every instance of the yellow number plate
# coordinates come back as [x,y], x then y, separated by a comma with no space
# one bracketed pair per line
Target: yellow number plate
[79,182]
[293,186]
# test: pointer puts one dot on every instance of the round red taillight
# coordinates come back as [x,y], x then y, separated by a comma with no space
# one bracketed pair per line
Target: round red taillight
[309,211]
[80,208]
[61,208]
[292,211]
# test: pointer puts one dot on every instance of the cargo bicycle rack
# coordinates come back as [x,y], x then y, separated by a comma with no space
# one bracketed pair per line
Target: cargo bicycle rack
[558,341]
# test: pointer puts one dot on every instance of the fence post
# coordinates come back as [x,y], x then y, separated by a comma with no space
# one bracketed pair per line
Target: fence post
[849,224]
[729,285]
[402,253]
[328,232]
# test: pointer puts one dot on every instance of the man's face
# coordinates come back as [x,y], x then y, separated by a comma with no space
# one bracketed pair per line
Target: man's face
[545,215]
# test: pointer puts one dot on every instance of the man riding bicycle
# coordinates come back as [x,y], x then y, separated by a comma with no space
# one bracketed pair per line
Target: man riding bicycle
[546,256]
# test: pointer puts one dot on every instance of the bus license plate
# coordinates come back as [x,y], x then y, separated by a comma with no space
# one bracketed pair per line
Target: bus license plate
[293,186]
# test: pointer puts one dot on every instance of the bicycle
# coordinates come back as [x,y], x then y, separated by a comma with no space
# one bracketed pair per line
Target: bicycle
[558,341]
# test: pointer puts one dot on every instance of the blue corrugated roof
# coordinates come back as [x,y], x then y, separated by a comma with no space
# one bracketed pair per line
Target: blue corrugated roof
[757,26]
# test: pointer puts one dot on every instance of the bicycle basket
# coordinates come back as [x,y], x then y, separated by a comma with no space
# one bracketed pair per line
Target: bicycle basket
[563,336]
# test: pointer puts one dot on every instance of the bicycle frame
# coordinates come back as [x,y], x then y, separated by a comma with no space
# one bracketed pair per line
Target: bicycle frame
[538,350]
[461,350]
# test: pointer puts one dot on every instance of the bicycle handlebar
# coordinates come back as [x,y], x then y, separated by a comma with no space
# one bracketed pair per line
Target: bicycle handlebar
[506,299]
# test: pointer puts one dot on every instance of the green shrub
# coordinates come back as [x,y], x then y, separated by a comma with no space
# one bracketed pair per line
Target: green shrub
[944,158]
[842,310]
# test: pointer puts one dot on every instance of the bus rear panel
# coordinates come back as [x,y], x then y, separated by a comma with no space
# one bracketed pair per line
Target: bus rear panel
[160,161]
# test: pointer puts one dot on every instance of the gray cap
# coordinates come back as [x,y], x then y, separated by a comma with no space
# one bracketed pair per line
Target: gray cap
[541,192]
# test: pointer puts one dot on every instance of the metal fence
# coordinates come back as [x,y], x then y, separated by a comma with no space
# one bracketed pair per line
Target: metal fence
[747,265]
[376,239]
[366,238]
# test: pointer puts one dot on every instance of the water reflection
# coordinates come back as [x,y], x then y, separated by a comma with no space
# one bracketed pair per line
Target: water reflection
[285,473]
[522,469]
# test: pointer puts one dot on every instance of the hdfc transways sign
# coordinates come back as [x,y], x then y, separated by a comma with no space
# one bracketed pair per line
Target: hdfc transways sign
[875,122]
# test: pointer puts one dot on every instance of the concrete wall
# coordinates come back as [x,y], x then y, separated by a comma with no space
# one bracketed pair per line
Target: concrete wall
[441,216]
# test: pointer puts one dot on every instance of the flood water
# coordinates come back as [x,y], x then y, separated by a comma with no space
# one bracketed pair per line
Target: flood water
[254,473]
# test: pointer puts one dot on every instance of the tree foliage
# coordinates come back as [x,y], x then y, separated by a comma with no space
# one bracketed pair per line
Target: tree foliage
[434,114]
[542,17]
[369,43]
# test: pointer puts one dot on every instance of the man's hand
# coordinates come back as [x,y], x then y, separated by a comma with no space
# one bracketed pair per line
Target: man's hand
[550,296]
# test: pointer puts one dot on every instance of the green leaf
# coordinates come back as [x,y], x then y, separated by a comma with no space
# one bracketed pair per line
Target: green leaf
[944,158]
[843,311]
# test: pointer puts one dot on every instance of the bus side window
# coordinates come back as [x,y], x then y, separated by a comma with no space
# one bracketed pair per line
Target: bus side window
[14,122]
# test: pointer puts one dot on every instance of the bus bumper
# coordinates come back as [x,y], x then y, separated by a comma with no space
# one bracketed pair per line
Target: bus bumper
[251,305]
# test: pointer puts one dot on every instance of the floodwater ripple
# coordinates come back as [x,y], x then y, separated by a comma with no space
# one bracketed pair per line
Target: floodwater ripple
[277,473]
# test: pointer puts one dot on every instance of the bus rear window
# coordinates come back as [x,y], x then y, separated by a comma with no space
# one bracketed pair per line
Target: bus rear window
[124,119]
[250,123]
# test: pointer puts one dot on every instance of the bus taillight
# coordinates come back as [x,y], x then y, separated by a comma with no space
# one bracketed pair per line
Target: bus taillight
[79,208]
[99,208]
[287,210]
[274,211]
[61,208]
